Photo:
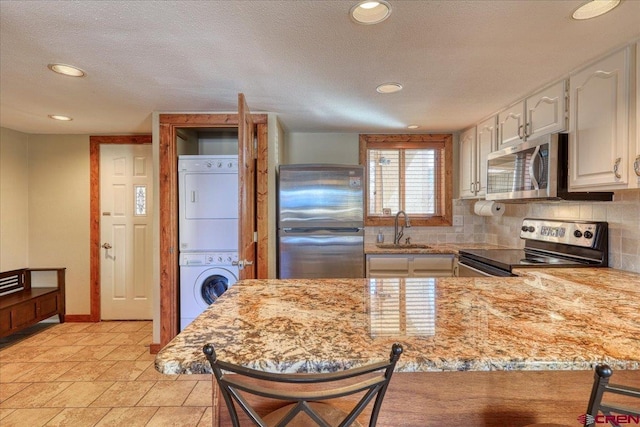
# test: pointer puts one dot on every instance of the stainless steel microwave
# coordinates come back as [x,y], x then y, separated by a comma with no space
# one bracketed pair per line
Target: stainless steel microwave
[535,169]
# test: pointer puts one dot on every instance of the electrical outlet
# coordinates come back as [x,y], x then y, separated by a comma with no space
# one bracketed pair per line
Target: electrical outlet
[458,220]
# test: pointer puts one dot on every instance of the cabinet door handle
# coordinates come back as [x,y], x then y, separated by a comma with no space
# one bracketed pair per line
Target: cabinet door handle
[636,166]
[616,167]
[471,187]
[521,132]
[527,130]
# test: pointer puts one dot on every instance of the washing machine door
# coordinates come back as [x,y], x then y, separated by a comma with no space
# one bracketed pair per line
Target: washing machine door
[211,284]
[213,287]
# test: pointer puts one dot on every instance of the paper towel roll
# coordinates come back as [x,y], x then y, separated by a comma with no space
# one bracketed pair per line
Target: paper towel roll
[488,208]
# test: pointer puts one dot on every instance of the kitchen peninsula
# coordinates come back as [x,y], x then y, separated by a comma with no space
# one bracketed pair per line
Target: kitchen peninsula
[477,351]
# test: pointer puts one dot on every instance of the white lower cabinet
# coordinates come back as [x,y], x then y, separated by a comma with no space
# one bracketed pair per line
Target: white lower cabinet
[409,265]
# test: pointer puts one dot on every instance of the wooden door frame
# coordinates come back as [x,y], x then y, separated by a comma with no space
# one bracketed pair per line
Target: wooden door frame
[168,190]
[94,214]
[247,158]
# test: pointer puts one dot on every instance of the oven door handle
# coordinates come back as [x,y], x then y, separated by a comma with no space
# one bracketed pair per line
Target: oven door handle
[532,173]
[480,272]
[480,269]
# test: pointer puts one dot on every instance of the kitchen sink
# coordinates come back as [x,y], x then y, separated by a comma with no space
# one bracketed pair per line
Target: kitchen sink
[401,246]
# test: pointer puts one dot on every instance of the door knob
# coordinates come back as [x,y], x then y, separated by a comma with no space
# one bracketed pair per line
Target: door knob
[106,246]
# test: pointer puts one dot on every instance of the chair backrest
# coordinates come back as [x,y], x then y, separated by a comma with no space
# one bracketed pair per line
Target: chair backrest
[303,390]
[614,414]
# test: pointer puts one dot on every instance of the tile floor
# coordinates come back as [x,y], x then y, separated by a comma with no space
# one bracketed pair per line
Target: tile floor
[94,374]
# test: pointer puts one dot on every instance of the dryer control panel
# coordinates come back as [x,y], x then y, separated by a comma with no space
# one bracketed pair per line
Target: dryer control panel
[217,164]
[208,258]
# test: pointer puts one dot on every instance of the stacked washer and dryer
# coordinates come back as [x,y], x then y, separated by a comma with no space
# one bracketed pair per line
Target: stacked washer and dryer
[208,229]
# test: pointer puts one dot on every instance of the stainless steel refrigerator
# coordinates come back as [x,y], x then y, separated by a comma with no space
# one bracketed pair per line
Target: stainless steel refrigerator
[320,221]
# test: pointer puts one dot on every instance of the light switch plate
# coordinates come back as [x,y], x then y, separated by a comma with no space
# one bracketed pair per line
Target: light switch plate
[458,220]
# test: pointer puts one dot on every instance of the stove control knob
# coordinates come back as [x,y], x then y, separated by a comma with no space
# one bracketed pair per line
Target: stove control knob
[219,259]
[525,228]
[578,234]
[210,259]
[588,235]
[531,229]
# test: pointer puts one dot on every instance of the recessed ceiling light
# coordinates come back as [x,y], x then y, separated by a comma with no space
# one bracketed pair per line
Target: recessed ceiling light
[594,8]
[67,70]
[413,127]
[389,88]
[369,12]
[59,117]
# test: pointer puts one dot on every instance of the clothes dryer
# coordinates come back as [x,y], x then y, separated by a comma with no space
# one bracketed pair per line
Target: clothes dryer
[208,203]
[204,277]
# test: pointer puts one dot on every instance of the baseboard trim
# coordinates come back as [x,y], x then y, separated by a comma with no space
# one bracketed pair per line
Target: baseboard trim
[78,318]
[155,348]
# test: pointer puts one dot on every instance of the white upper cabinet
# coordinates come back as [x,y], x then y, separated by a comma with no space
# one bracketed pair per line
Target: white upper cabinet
[599,124]
[475,145]
[542,113]
[467,163]
[511,125]
[547,111]
[487,135]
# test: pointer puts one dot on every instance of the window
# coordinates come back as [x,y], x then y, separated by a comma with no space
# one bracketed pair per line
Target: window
[410,173]
[141,200]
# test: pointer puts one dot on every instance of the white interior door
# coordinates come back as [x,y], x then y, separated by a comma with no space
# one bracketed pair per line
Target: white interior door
[126,211]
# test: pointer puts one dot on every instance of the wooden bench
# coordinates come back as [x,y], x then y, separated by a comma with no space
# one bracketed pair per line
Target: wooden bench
[22,306]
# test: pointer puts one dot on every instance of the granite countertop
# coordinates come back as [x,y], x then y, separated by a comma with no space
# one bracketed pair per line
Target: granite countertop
[546,319]
[432,248]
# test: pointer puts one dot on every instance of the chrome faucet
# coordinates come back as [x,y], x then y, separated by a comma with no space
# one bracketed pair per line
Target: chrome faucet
[398,233]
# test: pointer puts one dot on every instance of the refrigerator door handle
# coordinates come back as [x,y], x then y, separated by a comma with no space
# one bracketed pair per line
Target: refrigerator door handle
[316,229]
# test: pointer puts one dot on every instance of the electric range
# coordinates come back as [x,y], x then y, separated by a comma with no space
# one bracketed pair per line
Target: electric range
[548,243]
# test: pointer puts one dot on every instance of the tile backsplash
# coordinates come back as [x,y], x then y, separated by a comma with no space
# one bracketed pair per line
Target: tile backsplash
[623,216]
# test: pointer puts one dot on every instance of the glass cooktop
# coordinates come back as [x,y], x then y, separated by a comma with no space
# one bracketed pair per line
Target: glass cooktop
[506,259]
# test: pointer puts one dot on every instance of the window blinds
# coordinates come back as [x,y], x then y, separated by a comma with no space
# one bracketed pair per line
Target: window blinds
[406,179]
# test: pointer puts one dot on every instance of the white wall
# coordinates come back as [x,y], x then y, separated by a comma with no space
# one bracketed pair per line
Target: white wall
[14,200]
[44,208]
[219,142]
[341,148]
[59,185]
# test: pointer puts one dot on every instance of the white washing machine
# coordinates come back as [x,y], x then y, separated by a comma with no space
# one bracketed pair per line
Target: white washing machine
[204,277]
[208,203]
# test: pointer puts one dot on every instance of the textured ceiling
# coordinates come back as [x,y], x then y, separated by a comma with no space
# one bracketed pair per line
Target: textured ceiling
[459,61]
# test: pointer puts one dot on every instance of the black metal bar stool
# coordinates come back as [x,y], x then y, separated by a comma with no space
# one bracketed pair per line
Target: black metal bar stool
[307,406]
[603,412]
